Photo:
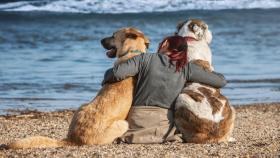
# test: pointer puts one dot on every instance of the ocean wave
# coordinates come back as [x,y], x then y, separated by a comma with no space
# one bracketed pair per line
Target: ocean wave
[136,6]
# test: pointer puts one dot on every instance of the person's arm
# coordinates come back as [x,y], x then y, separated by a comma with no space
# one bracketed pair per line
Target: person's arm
[123,70]
[196,73]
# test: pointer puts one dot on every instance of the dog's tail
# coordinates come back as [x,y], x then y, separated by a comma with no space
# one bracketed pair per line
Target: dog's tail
[38,142]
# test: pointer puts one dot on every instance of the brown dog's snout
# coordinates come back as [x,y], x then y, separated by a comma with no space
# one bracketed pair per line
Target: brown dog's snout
[103,41]
[107,43]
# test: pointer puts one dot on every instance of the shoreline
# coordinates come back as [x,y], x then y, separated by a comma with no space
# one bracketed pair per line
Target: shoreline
[36,112]
[257,130]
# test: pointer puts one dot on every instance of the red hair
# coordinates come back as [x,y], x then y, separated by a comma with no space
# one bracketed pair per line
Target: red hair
[177,46]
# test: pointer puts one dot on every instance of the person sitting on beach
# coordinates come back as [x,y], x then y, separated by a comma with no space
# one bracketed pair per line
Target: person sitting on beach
[161,77]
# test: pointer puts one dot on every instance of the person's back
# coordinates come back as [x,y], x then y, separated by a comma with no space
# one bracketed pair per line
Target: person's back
[158,84]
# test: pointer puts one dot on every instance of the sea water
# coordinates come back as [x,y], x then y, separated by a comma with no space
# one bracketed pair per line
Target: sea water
[51,57]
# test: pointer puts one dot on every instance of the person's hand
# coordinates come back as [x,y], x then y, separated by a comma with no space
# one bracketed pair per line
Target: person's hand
[108,77]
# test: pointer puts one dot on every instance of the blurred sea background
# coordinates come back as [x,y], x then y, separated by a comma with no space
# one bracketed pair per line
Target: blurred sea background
[51,57]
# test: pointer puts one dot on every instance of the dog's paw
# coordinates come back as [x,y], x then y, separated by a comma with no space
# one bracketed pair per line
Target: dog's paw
[211,68]
[122,125]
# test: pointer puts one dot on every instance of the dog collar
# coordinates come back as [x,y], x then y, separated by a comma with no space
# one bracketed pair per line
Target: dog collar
[132,51]
[189,39]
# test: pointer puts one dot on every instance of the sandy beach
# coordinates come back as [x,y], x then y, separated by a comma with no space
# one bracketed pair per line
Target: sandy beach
[257,131]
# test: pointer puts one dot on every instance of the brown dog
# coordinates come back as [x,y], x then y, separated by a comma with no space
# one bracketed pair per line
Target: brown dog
[203,114]
[103,119]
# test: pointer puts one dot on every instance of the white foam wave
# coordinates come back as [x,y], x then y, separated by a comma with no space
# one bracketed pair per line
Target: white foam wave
[136,6]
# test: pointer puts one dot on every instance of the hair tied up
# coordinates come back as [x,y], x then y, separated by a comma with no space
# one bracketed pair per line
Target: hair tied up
[183,47]
[178,49]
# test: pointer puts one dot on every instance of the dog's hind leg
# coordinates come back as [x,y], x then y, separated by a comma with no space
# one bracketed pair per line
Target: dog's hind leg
[117,129]
[229,137]
[199,138]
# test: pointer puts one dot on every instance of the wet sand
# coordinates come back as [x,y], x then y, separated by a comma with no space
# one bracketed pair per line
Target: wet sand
[257,131]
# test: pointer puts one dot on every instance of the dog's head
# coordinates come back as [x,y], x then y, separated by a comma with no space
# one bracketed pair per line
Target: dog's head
[124,40]
[195,28]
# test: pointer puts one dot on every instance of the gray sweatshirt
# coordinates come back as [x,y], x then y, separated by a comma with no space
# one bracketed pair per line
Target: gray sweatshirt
[157,82]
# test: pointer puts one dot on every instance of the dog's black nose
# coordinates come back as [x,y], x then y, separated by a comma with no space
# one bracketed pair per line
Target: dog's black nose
[103,41]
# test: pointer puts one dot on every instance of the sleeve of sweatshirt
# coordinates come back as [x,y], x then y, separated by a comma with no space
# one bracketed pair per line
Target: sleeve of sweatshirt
[123,70]
[196,73]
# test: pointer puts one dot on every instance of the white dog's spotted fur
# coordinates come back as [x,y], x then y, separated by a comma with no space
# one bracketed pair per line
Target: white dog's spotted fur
[202,109]
[204,102]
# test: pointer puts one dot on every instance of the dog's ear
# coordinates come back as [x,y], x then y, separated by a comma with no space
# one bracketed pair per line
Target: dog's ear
[208,36]
[207,33]
[131,35]
[180,24]
[205,26]
[183,28]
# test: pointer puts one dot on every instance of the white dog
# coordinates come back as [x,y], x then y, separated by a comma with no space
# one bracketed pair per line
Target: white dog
[202,113]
